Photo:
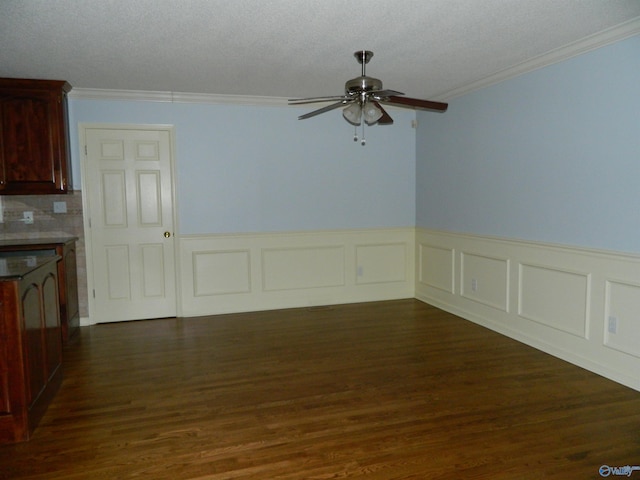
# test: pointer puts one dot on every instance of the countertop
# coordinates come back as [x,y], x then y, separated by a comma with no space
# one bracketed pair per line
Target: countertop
[6,244]
[15,268]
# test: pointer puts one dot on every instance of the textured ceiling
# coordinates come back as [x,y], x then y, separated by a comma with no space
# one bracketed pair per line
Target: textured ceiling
[289,48]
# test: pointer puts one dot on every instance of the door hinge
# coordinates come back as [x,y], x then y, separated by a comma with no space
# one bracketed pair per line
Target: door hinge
[85,150]
[94,293]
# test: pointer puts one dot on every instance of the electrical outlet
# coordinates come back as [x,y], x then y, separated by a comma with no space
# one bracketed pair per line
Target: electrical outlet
[613,325]
[474,285]
[27,217]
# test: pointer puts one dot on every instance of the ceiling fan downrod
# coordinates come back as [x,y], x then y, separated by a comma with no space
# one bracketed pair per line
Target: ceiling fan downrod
[363,57]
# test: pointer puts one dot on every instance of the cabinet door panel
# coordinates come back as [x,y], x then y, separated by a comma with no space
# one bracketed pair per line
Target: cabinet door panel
[34,352]
[28,155]
[70,314]
[51,312]
[33,137]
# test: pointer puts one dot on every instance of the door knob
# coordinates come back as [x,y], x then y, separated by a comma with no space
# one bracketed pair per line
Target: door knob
[167,234]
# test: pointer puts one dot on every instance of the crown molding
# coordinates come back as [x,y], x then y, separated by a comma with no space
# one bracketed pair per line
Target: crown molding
[229,99]
[106,94]
[174,97]
[587,44]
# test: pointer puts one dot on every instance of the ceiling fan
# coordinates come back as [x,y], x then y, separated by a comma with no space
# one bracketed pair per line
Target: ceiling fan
[363,97]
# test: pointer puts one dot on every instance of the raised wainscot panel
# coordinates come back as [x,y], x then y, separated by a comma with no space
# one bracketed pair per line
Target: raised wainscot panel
[221,272]
[299,268]
[622,326]
[381,263]
[436,267]
[556,298]
[485,280]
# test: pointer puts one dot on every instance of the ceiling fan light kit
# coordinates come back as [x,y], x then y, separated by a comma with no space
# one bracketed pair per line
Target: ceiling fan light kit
[371,113]
[353,114]
[362,98]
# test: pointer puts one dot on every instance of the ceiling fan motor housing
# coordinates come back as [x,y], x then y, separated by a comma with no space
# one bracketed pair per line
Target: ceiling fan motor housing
[362,84]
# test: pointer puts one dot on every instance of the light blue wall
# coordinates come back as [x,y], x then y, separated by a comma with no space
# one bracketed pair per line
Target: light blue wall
[552,155]
[259,169]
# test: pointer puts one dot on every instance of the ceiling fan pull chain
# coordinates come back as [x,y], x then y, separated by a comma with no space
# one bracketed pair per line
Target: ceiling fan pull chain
[355,133]
[363,141]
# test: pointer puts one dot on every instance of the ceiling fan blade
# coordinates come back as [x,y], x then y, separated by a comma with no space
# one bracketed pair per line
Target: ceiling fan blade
[408,102]
[301,101]
[323,110]
[385,119]
[385,93]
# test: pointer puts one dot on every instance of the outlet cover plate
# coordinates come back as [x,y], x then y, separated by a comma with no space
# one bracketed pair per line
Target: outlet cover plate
[59,207]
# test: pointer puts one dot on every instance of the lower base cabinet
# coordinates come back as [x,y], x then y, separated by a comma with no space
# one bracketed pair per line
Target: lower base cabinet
[30,344]
[64,247]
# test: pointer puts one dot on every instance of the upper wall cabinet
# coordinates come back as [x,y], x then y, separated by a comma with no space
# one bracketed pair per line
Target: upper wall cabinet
[34,155]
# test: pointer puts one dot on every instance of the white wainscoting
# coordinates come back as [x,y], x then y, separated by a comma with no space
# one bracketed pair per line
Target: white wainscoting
[578,304]
[251,272]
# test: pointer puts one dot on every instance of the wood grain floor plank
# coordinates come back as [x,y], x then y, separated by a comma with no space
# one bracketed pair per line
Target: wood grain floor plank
[386,390]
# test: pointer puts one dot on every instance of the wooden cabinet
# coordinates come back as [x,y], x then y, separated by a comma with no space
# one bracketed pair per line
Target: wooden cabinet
[68,285]
[34,153]
[65,248]
[31,349]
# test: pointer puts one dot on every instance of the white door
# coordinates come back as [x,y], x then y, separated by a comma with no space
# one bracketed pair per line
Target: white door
[128,187]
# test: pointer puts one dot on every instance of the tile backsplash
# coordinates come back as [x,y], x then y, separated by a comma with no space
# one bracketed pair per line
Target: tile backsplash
[47,224]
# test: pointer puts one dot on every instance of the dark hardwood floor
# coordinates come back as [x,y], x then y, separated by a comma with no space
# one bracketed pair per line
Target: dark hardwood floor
[389,390]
